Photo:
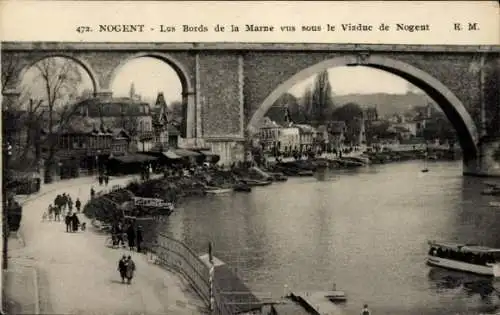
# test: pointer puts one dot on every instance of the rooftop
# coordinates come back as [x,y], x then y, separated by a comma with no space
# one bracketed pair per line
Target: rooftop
[96,107]
[305,128]
[267,123]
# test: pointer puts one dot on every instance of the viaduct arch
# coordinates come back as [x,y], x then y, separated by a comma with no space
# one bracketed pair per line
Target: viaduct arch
[78,60]
[451,105]
[227,87]
[178,67]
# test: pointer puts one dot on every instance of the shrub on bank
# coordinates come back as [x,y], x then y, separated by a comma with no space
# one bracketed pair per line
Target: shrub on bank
[106,208]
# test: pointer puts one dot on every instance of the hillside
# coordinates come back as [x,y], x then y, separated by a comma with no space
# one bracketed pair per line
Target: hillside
[386,103]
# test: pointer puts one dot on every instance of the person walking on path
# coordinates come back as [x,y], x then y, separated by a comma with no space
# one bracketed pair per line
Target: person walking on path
[64,201]
[58,203]
[131,236]
[78,204]
[67,220]
[57,213]
[51,212]
[70,204]
[130,269]
[122,268]
[75,222]
[92,193]
[140,238]
[106,179]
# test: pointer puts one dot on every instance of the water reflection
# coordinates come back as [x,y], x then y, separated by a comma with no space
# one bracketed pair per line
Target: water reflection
[365,230]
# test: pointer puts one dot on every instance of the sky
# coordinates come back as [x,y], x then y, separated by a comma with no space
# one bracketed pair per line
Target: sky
[151,76]
[359,80]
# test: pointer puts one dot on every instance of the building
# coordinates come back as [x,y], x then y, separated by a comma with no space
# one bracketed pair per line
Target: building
[131,115]
[84,145]
[269,132]
[371,114]
[307,135]
[322,139]
[289,139]
[337,131]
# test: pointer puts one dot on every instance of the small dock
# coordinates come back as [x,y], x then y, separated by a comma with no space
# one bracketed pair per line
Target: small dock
[318,302]
[236,293]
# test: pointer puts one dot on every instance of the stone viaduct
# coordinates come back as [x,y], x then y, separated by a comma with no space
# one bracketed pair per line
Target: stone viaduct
[228,87]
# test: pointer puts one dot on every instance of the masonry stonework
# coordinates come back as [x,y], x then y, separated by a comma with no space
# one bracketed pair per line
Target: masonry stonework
[226,84]
[220,95]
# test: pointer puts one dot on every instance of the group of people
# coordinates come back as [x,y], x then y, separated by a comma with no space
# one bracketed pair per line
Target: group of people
[126,267]
[103,179]
[134,236]
[73,223]
[63,204]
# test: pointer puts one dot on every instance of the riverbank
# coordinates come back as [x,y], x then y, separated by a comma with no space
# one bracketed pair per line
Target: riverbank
[354,159]
[74,273]
[178,186]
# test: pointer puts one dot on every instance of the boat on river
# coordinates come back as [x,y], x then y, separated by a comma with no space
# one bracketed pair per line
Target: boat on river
[475,259]
[241,187]
[494,203]
[218,191]
[255,182]
[492,184]
[491,191]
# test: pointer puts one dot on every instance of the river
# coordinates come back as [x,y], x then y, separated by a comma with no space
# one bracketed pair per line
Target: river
[365,230]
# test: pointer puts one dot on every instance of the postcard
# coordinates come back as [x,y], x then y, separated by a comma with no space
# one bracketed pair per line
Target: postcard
[250,157]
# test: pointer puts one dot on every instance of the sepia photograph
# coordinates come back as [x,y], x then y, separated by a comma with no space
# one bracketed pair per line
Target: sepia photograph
[250,177]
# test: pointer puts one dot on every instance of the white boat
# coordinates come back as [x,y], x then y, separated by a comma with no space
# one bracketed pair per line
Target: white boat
[494,203]
[476,259]
[218,191]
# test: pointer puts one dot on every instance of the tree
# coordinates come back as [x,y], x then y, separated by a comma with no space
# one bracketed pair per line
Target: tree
[60,78]
[292,103]
[347,113]
[351,114]
[439,127]
[379,130]
[20,122]
[307,103]
[322,102]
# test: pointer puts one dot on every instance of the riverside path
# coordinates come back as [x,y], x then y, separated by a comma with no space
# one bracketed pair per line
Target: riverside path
[75,273]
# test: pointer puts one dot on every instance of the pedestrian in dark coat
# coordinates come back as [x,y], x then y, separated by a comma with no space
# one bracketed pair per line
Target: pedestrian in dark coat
[140,238]
[92,192]
[64,201]
[122,268]
[67,220]
[106,180]
[131,236]
[78,204]
[75,222]
[70,204]
[100,180]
